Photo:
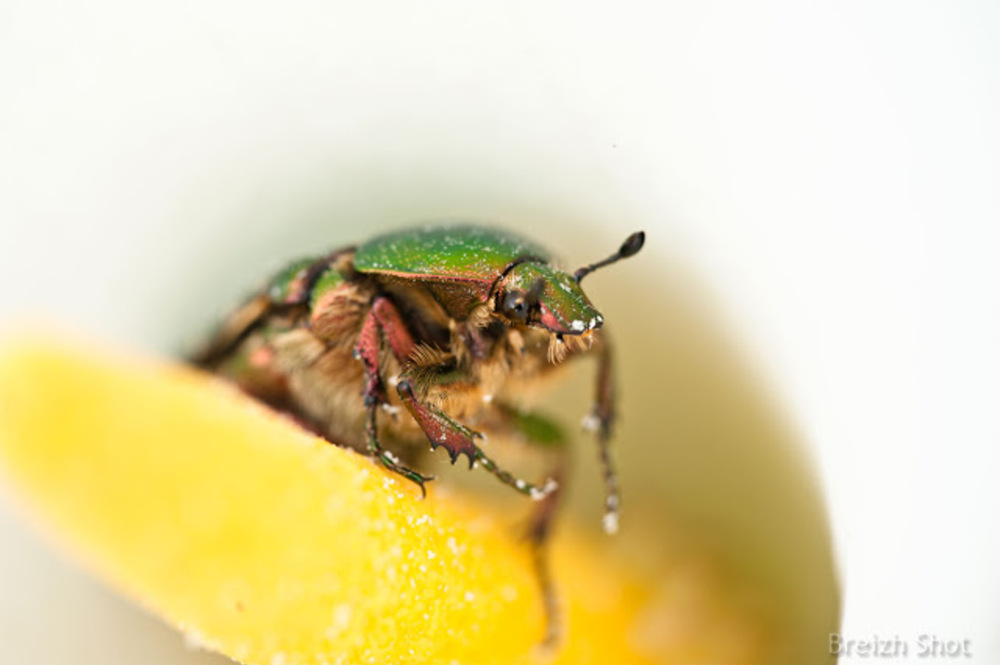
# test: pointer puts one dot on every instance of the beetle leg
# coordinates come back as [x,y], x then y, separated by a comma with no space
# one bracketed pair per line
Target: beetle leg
[540,431]
[233,330]
[542,434]
[387,459]
[600,421]
[538,533]
[383,317]
[459,440]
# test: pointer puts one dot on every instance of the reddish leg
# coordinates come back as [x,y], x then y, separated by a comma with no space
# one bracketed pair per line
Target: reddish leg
[458,440]
[383,318]
[439,428]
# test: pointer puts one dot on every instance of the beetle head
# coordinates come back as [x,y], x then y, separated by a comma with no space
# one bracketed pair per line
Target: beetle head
[538,294]
[533,292]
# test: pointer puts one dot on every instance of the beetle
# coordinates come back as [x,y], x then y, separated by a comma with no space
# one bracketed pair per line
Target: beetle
[450,322]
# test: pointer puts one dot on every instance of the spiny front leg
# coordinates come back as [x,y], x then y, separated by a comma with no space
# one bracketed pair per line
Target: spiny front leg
[600,421]
[383,316]
[458,440]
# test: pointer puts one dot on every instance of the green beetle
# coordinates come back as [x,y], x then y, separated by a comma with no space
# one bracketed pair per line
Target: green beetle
[459,320]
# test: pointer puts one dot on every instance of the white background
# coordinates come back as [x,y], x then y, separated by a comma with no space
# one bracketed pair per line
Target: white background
[829,169]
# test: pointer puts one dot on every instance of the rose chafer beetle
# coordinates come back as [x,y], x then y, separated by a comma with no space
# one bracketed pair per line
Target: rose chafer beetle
[451,322]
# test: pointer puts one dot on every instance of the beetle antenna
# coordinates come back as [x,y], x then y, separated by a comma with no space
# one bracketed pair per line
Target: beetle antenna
[630,247]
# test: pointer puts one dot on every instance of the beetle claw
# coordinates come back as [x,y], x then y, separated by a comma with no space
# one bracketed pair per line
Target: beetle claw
[469,456]
[390,462]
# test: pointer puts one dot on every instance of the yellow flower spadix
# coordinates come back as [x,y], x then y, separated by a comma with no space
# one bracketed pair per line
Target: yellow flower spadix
[273,546]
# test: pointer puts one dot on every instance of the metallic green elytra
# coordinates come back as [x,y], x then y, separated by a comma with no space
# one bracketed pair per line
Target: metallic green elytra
[454,324]
[463,252]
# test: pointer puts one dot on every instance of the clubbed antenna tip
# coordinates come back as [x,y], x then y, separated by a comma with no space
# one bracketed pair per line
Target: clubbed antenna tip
[630,247]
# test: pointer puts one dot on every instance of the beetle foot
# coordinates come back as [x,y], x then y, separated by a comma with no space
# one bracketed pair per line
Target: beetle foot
[538,534]
[390,462]
[550,601]
[536,492]
[387,459]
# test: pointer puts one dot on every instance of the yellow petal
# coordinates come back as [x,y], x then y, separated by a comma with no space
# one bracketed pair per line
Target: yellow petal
[272,546]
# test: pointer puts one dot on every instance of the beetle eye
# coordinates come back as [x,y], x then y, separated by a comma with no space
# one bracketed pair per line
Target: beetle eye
[515,307]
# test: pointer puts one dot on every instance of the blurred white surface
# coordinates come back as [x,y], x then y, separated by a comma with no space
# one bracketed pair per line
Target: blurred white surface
[830,170]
